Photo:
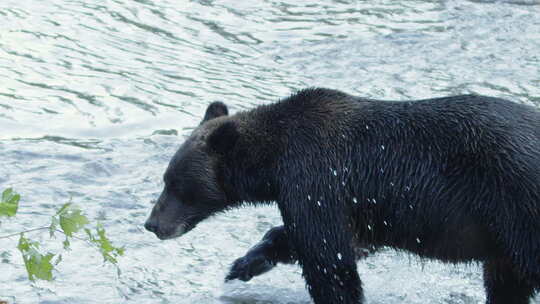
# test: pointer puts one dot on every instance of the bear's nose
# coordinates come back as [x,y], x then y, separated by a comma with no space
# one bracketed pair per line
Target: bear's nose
[151,225]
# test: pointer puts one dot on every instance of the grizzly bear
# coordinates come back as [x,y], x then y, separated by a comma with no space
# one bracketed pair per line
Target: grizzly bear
[455,179]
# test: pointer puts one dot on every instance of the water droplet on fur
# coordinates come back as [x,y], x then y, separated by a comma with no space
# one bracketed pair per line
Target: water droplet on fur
[408,188]
[418,240]
[309,197]
[339,256]
[324,240]
[374,200]
[391,184]
[335,173]
[369,227]
[411,207]
[343,183]
[367,127]
[382,147]
[355,200]
[319,203]
[382,170]
[324,271]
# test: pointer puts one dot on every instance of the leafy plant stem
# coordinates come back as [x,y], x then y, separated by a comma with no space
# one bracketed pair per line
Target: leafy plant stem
[43,228]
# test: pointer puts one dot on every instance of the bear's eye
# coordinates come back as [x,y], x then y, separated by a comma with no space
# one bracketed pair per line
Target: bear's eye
[174,186]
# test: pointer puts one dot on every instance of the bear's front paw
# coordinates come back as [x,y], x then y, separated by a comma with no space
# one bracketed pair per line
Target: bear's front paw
[249,266]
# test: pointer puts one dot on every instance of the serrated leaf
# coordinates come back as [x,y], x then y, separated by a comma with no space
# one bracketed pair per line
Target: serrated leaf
[14,200]
[63,208]
[42,266]
[25,244]
[38,266]
[89,233]
[71,219]
[9,203]
[108,251]
[6,194]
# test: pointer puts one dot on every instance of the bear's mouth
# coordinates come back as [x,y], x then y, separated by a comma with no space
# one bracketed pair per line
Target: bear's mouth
[182,228]
[177,232]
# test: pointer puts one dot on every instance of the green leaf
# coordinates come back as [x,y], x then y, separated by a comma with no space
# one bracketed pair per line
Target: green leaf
[6,194]
[89,233]
[71,219]
[25,244]
[38,266]
[108,251]
[66,244]
[9,203]
[63,208]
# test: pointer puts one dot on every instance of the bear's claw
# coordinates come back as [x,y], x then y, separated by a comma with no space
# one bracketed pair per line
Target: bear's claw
[249,266]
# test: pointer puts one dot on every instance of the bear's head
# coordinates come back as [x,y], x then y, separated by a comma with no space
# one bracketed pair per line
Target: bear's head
[195,187]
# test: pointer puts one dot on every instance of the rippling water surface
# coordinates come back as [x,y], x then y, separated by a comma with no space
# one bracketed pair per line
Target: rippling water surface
[95,97]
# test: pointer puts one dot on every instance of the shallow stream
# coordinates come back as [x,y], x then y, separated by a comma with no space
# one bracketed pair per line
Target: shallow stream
[96,95]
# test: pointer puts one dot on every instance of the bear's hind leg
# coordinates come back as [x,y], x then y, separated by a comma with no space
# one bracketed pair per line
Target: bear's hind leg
[503,285]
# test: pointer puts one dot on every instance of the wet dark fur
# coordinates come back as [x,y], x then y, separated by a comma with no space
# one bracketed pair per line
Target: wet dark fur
[455,179]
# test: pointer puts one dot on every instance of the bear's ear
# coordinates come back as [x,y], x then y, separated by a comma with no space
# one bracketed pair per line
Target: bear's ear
[224,137]
[215,109]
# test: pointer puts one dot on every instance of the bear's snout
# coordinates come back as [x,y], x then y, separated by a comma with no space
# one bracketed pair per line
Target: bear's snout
[151,225]
[164,231]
